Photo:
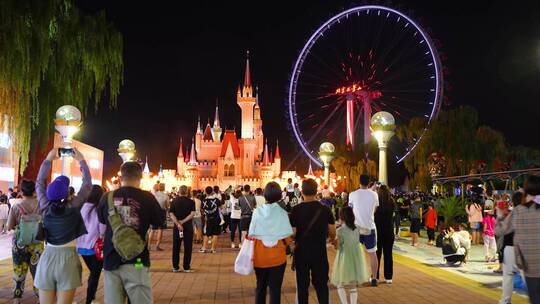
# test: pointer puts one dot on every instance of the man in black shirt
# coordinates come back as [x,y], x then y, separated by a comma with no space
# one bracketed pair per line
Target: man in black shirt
[139,209]
[182,211]
[313,224]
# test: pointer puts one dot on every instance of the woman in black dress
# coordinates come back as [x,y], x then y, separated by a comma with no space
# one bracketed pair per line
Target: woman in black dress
[385,235]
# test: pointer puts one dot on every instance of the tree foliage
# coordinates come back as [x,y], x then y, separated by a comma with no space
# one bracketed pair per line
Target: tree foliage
[351,164]
[52,54]
[456,134]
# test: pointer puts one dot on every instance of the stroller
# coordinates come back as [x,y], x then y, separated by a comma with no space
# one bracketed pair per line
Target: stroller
[452,252]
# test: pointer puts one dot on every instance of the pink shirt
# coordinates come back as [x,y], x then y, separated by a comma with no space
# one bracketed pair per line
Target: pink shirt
[475,213]
[489,225]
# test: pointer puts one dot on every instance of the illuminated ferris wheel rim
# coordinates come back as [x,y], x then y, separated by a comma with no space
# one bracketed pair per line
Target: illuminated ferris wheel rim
[320,32]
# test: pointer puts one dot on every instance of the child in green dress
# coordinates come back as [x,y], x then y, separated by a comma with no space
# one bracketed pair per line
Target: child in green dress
[350,267]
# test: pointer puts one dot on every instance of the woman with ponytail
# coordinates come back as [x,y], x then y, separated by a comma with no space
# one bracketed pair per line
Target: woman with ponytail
[86,243]
[59,270]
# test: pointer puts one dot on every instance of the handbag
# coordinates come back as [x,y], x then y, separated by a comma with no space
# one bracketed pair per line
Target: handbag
[310,225]
[98,246]
[98,249]
[244,260]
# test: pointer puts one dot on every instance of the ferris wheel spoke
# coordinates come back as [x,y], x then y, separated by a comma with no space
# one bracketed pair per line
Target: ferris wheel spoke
[322,125]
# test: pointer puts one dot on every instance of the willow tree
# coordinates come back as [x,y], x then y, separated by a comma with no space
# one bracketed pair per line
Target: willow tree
[351,165]
[53,54]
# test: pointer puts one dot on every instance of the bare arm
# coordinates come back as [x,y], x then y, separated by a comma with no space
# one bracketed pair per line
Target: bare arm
[86,186]
[332,231]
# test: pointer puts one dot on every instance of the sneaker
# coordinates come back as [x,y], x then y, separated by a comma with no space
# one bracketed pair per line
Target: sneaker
[189,270]
[213,251]
[373,283]
[175,270]
[233,246]
[388,281]
[202,250]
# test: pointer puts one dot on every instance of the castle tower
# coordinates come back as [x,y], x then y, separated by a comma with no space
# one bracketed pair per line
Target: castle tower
[180,160]
[246,101]
[257,125]
[266,168]
[216,130]
[198,135]
[192,172]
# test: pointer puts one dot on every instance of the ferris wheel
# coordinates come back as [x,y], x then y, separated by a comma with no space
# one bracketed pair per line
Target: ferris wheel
[366,59]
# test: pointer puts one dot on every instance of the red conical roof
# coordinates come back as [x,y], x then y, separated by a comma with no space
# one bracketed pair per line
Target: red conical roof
[207,133]
[266,158]
[278,155]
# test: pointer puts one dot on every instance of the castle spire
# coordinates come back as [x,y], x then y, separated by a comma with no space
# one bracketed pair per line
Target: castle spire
[192,157]
[277,156]
[266,158]
[216,118]
[181,150]
[146,168]
[310,169]
[247,79]
[199,130]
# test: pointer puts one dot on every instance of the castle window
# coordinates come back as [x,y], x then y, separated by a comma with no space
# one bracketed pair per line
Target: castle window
[229,170]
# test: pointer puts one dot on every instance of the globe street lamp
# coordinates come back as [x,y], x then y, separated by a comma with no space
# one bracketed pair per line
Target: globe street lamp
[326,154]
[382,128]
[126,150]
[67,123]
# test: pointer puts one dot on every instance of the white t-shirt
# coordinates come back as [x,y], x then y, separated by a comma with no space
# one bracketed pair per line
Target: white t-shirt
[236,212]
[364,202]
[260,200]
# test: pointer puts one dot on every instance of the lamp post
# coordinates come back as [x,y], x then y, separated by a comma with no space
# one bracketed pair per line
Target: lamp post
[67,123]
[326,154]
[382,128]
[126,150]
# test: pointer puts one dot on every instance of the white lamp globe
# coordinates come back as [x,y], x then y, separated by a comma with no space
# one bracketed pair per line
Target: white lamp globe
[126,145]
[383,119]
[69,114]
[327,147]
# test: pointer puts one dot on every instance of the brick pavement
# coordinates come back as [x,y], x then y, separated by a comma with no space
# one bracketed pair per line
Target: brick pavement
[215,282]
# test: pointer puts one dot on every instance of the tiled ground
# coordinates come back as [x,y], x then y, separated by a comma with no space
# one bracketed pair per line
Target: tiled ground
[215,282]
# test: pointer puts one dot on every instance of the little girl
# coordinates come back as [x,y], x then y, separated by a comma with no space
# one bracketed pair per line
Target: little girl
[490,245]
[350,267]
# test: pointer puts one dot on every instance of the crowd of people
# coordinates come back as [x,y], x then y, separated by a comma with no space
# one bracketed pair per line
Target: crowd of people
[113,232]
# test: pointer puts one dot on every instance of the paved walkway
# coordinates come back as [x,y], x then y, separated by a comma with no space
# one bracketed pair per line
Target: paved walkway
[215,282]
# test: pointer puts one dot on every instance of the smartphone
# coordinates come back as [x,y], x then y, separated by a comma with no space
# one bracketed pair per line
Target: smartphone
[63,152]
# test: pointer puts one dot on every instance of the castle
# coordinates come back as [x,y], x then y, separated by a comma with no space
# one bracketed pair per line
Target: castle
[218,157]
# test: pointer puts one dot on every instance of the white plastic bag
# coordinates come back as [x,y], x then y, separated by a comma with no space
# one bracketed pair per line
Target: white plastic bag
[244,261]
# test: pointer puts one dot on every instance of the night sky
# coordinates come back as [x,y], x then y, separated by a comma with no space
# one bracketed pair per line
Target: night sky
[179,59]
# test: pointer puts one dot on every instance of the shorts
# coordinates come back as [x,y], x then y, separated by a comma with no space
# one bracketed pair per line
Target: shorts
[164,224]
[415,225]
[212,227]
[244,223]
[59,269]
[197,223]
[475,226]
[369,241]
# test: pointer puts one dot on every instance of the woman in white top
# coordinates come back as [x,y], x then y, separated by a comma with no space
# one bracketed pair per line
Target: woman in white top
[236,215]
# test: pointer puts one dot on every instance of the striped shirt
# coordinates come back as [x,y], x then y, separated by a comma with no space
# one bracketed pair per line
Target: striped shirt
[526,222]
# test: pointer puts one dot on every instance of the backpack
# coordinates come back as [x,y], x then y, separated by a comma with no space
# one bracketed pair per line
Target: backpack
[126,240]
[28,229]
